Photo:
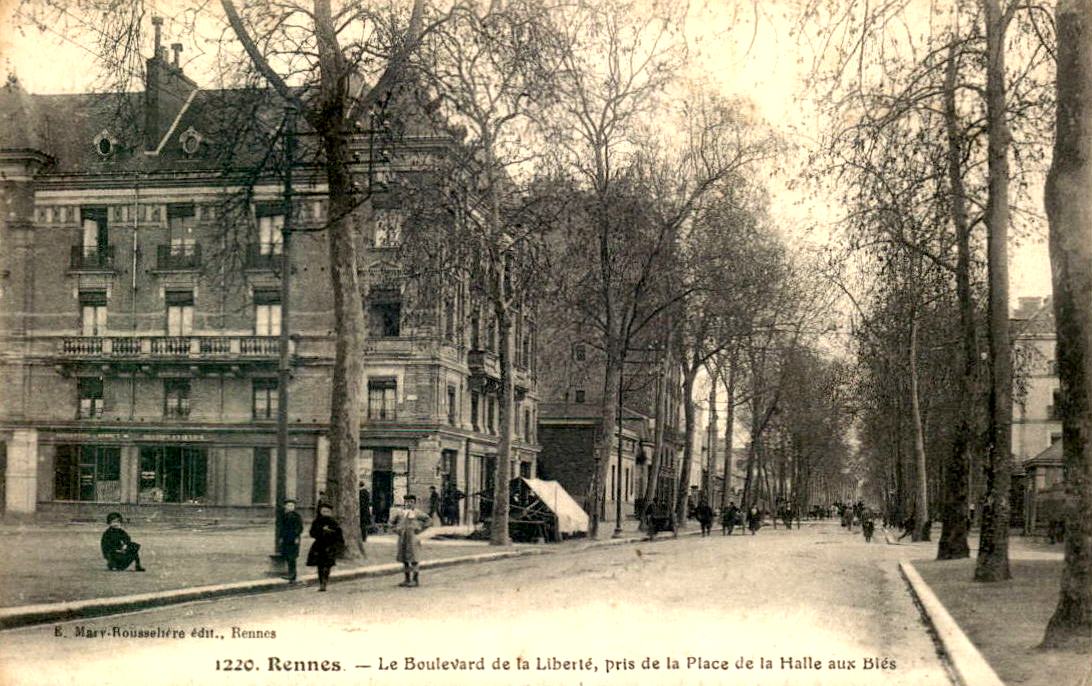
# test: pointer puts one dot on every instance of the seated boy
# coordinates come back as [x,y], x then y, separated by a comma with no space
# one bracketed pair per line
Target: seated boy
[119,550]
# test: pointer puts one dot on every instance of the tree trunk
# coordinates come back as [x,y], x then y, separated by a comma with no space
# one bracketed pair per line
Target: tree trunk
[921,493]
[955,485]
[683,495]
[1069,209]
[993,548]
[711,458]
[498,532]
[729,420]
[608,426]
[657,441]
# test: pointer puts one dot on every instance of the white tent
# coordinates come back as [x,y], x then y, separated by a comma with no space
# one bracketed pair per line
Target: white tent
[571,518]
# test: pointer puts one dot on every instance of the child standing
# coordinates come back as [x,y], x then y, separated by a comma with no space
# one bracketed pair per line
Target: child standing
[408,522]
[328,543]
[291,530]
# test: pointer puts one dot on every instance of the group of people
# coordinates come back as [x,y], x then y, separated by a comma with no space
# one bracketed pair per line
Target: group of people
[329,540]
[731,517]
[445,507]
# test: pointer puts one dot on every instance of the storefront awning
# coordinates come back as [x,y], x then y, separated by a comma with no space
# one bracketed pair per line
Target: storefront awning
[571,518]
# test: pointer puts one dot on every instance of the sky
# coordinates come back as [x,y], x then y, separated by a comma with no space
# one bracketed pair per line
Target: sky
[744,47]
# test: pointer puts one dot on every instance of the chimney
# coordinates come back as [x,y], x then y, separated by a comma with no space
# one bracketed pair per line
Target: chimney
[166,89]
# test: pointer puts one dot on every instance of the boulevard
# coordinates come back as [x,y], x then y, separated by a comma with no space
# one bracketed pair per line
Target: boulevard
[815,605]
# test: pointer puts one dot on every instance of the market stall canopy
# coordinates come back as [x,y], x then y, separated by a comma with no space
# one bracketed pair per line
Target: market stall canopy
[571,518]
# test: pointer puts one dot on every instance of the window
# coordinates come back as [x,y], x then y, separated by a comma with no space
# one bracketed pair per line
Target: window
[527,426]
[94,231]
[581,396]
[176,398]
[179,313]
[474,421]
[381,398]
[90,395]
[173,474]
[270,225]
[449,320]
[491,420]
[475,331]
[265,398]
[626,483]
[261,474]
[87,472]
[93,313]
[451,405]
[385,313]
[267,312]
[1054,411]
[180,222]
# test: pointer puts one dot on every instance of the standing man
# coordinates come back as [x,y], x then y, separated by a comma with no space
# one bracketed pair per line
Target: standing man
[729,518]
[407,523]
[705,518]
[365,511]
[433,504]
[291,530]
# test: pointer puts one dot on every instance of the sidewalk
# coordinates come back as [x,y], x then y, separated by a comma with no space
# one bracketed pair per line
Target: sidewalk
[990,631]
[56,571]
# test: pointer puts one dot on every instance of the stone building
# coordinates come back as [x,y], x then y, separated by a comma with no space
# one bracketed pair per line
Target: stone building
[140,317]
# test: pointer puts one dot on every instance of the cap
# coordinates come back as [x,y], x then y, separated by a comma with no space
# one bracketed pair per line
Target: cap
[113,516]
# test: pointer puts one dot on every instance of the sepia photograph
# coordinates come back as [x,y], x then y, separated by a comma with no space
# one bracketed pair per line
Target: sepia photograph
[521,342]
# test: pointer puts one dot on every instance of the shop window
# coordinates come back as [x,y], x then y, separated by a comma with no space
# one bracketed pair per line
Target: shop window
[179,313]
[87,473]
[382,398]
[93,313]
[176,398]
[261,476]
[173,474]
[265,398]
[385,313]
[90,393]
[267,312]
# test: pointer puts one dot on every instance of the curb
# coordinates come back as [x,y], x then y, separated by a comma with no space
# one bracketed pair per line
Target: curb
[970,668]
[28,615]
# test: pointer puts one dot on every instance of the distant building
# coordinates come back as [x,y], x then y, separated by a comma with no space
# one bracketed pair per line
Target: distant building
[1036,424]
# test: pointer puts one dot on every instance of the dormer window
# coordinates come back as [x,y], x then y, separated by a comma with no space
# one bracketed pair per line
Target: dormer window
[191,141]
[105,144]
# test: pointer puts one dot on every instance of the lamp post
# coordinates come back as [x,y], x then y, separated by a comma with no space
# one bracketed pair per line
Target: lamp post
[283,371]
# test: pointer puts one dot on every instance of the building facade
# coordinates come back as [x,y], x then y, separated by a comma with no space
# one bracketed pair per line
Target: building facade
[140,318]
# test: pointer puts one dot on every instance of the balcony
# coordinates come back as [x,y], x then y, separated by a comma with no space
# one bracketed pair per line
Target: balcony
[91,258]
[177,257]
[484,365]
[263,256]
[189,348]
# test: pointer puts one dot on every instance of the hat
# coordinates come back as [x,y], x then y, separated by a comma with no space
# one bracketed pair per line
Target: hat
[289,500]
[410,496]
[323,504]
[113,516]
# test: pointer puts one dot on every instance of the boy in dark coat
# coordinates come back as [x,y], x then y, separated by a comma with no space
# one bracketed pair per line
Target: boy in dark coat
[291,530]
[328,543]
[119,550]
[705,518]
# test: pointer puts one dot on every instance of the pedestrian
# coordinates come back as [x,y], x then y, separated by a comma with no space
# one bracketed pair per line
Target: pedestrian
[365,511]
[729,519]
[754,520]
[291,530]
[328,544]
[433,504]
[450,502]
[119,550]
[705,518]
[868,525]
[407,523]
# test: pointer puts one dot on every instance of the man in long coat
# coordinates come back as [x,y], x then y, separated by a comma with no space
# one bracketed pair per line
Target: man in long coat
[407,523]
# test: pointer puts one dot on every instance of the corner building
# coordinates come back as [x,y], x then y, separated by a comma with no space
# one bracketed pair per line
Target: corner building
[140,317]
